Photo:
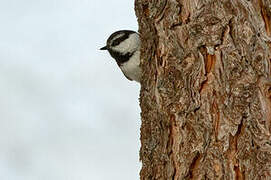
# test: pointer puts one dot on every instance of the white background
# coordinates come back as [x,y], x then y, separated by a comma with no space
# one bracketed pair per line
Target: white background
[66,110]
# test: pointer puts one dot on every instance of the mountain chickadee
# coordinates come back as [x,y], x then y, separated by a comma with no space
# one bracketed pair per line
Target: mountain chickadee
[124,47]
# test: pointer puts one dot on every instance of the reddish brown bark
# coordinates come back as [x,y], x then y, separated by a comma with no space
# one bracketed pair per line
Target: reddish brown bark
[206,89]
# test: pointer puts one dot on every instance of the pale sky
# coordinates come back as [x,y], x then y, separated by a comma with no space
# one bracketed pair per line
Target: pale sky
[67,112]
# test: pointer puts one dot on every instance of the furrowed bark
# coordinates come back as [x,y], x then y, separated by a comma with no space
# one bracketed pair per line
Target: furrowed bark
[206,89]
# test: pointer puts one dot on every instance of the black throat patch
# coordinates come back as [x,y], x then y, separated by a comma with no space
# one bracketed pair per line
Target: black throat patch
[121,58]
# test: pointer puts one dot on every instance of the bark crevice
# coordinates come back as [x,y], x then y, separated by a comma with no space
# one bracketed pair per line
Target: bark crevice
[205,92]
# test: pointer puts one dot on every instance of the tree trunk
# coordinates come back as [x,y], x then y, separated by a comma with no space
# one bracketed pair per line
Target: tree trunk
[206,89]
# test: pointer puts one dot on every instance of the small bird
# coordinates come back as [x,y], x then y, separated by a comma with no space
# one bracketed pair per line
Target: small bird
[124,47]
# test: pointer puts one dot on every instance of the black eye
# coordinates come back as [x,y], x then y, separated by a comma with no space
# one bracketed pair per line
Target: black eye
[116,42]
[120,39]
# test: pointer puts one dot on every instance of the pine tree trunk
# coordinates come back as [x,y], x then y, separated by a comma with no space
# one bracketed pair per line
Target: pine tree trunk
[206,89]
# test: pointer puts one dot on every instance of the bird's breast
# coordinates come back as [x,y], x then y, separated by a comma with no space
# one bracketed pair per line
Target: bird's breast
[131,68]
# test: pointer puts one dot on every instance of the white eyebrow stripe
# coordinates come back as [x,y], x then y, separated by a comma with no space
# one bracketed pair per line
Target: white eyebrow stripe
[128,45]
[118,36]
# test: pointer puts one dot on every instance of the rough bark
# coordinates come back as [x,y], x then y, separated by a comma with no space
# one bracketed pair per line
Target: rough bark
[206,89]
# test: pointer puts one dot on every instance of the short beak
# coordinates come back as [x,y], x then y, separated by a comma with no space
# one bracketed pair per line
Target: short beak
[103,48]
